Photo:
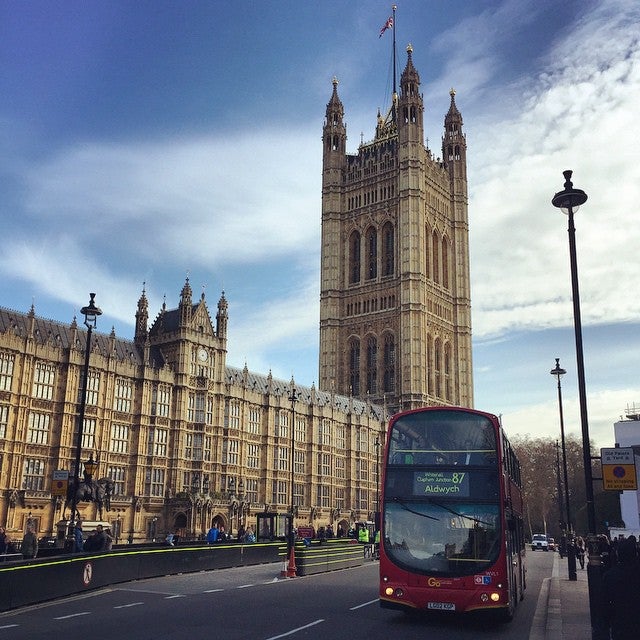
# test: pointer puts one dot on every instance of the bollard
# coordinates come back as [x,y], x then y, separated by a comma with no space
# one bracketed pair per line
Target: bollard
[571,561]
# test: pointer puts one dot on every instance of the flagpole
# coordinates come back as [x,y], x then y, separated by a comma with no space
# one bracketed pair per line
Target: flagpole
[393,28]
[395,90]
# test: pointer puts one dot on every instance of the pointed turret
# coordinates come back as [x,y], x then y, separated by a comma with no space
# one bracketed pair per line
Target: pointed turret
[185,307]
[454,144]
[142,318]
[222,318]
[334,132]
[454,148]
[410,104]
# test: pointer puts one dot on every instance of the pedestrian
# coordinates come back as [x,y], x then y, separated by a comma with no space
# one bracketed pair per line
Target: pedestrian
[4,541]
[78,541]
[29,547]
[249,535]
[213,534]
[109,540]
[621,591]
[580,551]
[241,533]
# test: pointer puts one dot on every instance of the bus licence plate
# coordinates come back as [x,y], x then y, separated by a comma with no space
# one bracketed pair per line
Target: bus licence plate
[441,606]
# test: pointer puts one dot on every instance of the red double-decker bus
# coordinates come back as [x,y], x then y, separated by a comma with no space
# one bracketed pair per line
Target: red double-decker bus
[452,535]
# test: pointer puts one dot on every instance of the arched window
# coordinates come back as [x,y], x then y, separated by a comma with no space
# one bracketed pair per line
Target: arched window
[447,372]
[429,365]
[388,257]
[427,252]
[372,365]
[435,258]
[354,258]
[445,263]
[372,254]
[438,367]
[389,364]
[354,366]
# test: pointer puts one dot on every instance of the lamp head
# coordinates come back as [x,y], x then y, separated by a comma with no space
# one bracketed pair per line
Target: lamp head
[569,199]
[91,312]
[558,371]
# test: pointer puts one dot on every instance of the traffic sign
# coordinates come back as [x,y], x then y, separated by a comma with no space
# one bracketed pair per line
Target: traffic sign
[618,469]
[60,482]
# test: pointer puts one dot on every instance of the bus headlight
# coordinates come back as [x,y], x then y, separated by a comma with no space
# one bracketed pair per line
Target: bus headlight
[495,596]
[388,591]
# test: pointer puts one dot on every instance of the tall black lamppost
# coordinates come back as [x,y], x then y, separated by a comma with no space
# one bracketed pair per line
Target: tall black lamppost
[293,397]
[90,313]
[558,371]
[569,200]
[377,514]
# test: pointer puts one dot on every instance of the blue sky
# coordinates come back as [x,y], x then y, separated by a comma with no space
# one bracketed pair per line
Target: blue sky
[144,141]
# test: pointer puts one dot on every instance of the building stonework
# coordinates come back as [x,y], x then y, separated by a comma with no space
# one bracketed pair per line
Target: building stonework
[186,439]
[395,309]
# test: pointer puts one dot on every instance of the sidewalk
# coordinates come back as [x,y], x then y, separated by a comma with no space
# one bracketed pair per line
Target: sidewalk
[562,611]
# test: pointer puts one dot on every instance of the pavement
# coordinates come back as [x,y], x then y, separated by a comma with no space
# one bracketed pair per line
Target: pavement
[562,610]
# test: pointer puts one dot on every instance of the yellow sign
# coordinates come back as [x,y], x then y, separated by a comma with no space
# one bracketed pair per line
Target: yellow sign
[60,483]
[618,469]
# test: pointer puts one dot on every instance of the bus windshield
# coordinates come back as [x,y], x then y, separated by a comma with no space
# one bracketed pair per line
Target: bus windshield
[441,494]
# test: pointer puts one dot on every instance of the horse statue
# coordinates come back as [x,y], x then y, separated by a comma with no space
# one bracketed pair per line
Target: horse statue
[89,490]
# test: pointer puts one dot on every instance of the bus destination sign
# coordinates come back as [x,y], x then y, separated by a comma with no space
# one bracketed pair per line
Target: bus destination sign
[441,483]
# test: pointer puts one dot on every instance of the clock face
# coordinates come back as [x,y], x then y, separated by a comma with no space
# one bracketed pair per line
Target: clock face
[202,355]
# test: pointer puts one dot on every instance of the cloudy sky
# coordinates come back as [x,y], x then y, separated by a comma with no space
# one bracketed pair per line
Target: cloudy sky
[146,141]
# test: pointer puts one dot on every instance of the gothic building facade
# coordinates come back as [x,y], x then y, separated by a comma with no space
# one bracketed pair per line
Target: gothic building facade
[186,439]
[395,310]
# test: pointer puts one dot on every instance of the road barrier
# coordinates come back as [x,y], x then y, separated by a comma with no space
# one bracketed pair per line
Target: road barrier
[328,555]
[28,582]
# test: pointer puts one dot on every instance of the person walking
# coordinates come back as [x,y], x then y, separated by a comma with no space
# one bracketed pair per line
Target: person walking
[78,541]
[580,551]
[4,541]
[29,546]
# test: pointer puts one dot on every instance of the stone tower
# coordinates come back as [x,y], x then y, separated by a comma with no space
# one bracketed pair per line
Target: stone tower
[395,308]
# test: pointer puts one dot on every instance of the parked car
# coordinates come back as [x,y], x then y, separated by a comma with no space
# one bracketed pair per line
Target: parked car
[539,542]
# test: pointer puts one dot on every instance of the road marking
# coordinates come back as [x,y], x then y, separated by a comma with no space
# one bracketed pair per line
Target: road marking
[212,590]
[131,604]
[8,626]
[288,633]
[73,615]
[244,586]
[175,595]
[364,604]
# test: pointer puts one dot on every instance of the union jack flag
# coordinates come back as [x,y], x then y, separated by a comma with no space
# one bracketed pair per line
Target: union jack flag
[387,25]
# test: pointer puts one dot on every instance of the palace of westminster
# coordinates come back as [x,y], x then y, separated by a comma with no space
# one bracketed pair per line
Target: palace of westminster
[187,440]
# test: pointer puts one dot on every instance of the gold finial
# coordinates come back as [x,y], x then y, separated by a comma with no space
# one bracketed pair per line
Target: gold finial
[409,48]
[452,92]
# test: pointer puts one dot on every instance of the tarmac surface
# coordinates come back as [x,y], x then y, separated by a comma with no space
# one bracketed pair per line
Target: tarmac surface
[562,610]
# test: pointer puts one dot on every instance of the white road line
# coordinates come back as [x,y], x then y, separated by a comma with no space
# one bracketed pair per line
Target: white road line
[131,604]
[364,604]
[8,626]
[244,586]
[74,615]
[212,590]
[288,633]
[175,595]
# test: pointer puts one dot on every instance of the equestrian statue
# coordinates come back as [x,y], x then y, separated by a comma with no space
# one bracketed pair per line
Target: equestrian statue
[90,490]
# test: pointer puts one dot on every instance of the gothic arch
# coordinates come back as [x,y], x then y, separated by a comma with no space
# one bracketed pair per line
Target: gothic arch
[354,257]
[435,247]
[354,365]
[371,363]
[445,262]
[389,362]
[388,249]
[372,253]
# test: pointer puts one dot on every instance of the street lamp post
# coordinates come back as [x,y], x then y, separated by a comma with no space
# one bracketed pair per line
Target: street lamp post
[558,371]
[291,569]
[90,313]
[569,200]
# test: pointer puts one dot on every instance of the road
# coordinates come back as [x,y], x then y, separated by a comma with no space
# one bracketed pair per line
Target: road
[253,602]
